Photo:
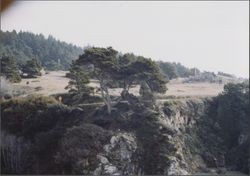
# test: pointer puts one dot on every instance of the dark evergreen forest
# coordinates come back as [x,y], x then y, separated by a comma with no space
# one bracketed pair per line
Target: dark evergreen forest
[52,53]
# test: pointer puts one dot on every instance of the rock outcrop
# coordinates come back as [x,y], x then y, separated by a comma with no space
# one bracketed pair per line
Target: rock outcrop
[118,157]
[177,137]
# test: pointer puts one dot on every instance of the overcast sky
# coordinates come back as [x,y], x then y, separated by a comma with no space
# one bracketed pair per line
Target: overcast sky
[211,36]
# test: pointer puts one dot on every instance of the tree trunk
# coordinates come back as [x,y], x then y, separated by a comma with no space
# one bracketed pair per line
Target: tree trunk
[109,106]
[106,98]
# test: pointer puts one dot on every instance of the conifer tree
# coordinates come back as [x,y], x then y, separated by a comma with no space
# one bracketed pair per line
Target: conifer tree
[9,69]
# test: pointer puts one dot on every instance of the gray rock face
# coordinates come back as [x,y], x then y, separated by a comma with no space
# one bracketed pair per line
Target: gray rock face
[175,168]
[180,116]
[167,140]
[117,156]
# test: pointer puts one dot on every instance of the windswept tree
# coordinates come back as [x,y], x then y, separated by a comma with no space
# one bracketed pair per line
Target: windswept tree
[139,69]
[124,73]
[111,68]
[101,64]
[148,71]
[9,69]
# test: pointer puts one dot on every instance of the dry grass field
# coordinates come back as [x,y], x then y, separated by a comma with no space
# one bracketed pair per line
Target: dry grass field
[55,82]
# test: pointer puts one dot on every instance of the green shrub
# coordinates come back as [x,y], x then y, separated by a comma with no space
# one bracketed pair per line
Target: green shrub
[32,68]
[9,69]
[16,111]
[169,107]
[81,144]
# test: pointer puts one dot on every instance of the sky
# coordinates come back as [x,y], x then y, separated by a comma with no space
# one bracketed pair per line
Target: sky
[209,35]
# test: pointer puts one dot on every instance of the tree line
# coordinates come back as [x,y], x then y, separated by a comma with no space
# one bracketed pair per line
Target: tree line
[174,70]
[56,55]
[230,111]
[10,70]
[51,53]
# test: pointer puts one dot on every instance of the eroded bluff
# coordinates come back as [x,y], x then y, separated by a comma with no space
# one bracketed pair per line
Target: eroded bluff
[175,137]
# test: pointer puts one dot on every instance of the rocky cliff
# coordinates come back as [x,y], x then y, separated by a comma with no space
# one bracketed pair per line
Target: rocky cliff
[174,137]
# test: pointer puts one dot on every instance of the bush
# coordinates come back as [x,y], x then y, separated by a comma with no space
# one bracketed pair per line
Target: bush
[18,110]
[169,107]
[9,69]
[32,68]
[81,144]
[231,111]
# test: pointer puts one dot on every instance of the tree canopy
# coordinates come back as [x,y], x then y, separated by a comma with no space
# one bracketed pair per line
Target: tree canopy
[100,64]
[53,54]
[233,108]
[174,70]
[110,67]
[32,68]
[168,69]
[9,69]
[79,80]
